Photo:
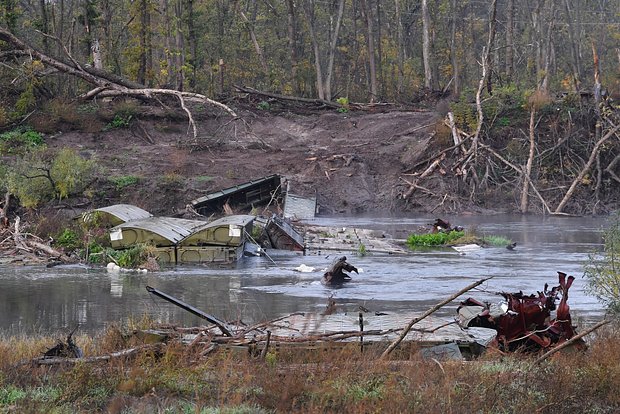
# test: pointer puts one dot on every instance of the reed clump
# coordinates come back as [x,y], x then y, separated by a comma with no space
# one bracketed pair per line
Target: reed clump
[173,377]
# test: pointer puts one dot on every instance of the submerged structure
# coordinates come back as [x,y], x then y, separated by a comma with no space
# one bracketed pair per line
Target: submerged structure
[187,241]
[249,194]
[115,214]
[175,240]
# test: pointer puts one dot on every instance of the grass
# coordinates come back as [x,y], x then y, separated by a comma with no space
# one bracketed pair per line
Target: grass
[434,239]
[455,238]
[179,380]
[124,181]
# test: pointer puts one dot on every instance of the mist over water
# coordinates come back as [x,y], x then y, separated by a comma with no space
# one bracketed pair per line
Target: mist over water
[37,299]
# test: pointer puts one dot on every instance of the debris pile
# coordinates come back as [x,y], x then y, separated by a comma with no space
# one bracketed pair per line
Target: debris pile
[20,247]
[524,322]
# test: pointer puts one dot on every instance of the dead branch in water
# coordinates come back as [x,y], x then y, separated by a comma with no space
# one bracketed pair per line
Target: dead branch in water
[429,312]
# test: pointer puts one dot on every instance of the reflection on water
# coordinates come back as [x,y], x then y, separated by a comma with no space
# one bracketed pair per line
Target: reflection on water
[42,300]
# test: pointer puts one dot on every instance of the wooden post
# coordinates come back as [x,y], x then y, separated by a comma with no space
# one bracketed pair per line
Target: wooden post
[361,317]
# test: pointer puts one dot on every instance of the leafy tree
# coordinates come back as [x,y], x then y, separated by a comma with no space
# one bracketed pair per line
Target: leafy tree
[41,175]
[603,270]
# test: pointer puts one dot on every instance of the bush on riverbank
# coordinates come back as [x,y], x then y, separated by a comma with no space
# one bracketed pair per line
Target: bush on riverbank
[176,378]
[603,270]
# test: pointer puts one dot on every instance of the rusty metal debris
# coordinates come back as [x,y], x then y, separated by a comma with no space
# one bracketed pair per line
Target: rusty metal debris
[524,322]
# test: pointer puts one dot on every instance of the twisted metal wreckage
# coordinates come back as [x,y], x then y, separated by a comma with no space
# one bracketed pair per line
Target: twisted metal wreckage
[524,321]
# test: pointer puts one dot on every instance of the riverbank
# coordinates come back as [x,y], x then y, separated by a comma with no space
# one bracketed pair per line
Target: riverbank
[396,160]
[176,378]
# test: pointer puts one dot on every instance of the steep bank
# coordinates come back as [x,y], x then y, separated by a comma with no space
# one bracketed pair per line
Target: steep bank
[352,161]
[365,161]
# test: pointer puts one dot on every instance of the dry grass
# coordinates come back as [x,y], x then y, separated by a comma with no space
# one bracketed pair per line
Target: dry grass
[177,379]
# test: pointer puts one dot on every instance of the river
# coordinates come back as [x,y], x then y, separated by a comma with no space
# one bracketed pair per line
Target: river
[41,300]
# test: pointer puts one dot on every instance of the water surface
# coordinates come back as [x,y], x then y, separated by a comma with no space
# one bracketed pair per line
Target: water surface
[36,299]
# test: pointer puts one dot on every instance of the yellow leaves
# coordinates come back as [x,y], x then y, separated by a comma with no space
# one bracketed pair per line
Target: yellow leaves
[586,180]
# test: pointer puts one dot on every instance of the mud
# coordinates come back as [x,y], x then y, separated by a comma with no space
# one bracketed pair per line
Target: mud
[353,162]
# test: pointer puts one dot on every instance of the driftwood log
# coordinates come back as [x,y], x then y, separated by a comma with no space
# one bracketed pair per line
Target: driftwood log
[89,360]
[336,274]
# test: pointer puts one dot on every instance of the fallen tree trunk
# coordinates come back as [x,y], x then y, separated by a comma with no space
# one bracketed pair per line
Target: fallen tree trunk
[253,91]
[424,174]
[48,250]
[89,360]
[107,84]
[585,169]
[570,341]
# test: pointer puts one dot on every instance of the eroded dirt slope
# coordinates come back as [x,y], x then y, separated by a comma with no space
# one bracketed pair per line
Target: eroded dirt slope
[352,161]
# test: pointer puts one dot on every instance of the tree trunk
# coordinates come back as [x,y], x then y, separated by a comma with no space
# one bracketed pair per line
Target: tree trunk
[259,51]
[400,55]
[370,43]
[527,172]
[179,46]
[426,52]
[486,53]
[97,61]
[309,10]
[510,51]
[379,62]
[491,42]
[575,63]
[456,82]
[193,51]
[44,24]
[292,44]
[544,82]
[332,52]
[143,60]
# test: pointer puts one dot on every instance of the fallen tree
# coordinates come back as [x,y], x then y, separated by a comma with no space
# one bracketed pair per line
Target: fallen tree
[107,84]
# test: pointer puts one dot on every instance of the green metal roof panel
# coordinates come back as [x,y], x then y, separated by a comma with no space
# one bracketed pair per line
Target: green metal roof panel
[228,231]
[169,228]
[117,214]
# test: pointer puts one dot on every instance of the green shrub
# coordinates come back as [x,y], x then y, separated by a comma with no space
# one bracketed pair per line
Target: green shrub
[10,394]
[68,239]
[263,106]
[132,257]
[602,270]
[26,101]
[119,121]
[498,241]
[344,104]
[124,181]
[43,175]
[433,239]
[19,141]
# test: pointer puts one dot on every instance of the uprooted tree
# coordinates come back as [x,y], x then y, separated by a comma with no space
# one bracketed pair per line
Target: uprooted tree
[105,84]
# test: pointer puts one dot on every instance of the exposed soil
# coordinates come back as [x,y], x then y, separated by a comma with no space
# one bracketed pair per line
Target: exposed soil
[353,161]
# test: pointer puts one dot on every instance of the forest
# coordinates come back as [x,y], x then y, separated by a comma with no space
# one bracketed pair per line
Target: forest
[528,88]
[358,50]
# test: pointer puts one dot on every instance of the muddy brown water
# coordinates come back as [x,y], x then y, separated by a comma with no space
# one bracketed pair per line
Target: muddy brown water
[37,299]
